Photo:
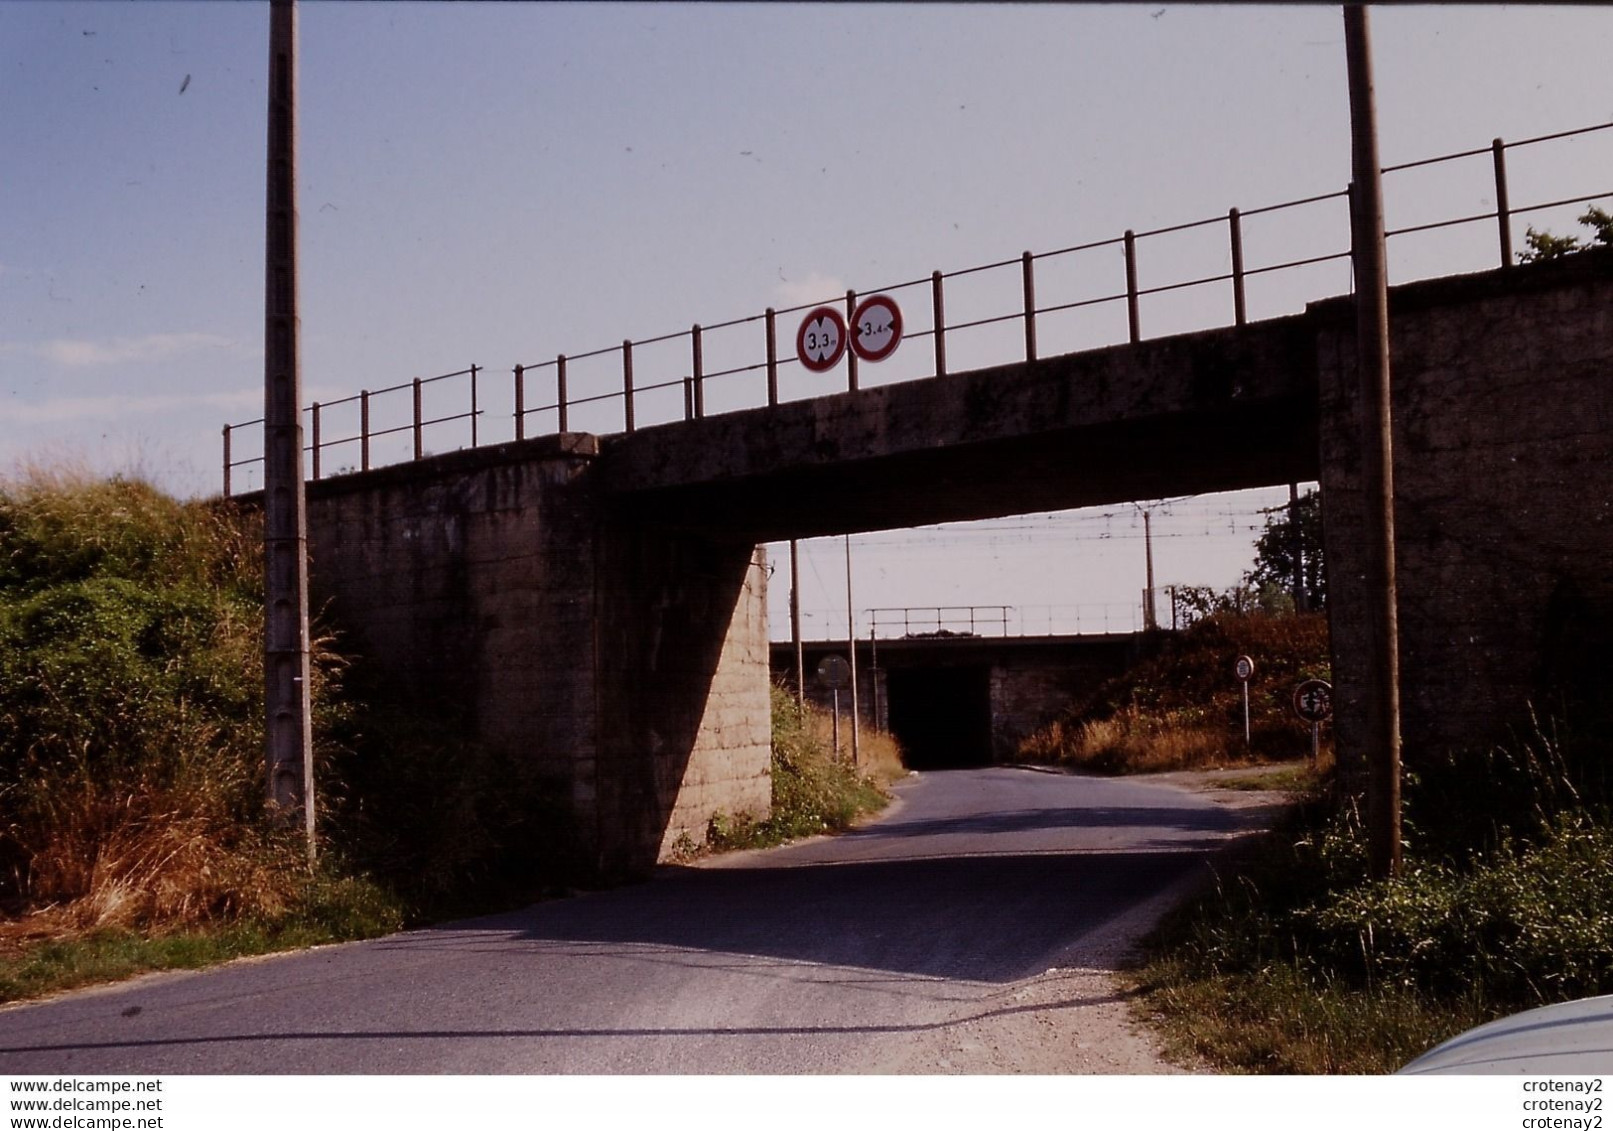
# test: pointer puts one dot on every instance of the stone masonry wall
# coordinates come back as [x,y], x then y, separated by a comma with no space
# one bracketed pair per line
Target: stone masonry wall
[1503,454]
[1029,689]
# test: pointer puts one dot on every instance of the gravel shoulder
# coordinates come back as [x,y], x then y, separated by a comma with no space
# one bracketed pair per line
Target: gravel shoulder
[1077,1018]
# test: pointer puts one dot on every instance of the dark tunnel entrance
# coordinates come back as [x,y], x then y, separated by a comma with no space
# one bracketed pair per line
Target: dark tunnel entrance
[941,716]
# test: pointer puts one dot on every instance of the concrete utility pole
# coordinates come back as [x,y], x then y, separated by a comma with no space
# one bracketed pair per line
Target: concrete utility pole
[288,729]
[1296,545]
[1150,618]
[795,624]
[1377,456]
[851,647]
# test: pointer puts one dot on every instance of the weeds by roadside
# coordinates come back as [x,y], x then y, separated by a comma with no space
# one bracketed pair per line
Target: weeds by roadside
[1297,962]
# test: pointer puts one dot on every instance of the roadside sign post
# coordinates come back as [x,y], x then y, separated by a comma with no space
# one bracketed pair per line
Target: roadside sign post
[834,673]
[836,694]
[1313,702]
[1244,669]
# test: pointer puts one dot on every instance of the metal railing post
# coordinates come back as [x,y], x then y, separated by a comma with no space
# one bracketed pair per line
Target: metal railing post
[560,390]
[1240,311]
[364,429]
[226,461]
[419,439]
[698,373]
[1027,273]
[1131,286]
[1503,210]
[938,311]
[627,384]
[851,336]
[520,402]
[316,439]
[473,413]
[772,358]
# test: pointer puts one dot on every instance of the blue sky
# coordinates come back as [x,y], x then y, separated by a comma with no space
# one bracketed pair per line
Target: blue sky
[501,183]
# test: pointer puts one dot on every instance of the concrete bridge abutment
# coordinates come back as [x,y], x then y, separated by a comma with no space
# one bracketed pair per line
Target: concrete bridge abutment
[618,671]
[1503,466]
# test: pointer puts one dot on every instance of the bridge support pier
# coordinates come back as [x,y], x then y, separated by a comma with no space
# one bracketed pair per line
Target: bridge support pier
[1503,421]
[619,672]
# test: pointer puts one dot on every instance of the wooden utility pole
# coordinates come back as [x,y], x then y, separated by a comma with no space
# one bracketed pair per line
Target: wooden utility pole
[1377,456]
[288,729]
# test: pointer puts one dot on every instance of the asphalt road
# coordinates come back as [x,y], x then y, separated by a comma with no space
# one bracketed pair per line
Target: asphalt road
[837,955]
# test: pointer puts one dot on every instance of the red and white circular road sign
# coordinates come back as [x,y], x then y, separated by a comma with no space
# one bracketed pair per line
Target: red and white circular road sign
[821,340]
[876,328]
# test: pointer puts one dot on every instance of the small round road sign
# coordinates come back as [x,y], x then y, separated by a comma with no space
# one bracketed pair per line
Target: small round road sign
[834,673]
[1313,700]
[876,328]
[821,340]
[1244,669]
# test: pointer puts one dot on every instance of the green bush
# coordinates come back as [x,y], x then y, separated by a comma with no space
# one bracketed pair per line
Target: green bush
[1529,924]
[1505,902]
[130,698]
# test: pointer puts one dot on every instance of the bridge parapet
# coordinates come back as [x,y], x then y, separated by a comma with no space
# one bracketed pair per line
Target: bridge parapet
[736,363]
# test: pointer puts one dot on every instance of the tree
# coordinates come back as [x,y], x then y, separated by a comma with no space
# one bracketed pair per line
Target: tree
[1544,245]
[1274,552]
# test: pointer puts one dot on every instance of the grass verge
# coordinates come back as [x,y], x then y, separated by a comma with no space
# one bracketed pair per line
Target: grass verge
[34,963]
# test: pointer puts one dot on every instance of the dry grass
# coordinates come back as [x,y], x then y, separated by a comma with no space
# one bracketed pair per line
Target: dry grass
[1181,709]
[1128,743]
[879,754]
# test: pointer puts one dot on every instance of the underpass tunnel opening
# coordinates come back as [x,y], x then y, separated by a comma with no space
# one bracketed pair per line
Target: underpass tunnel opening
[941,716]
[972,638]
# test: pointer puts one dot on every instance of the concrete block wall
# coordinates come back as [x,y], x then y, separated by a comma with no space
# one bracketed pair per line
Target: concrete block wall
[685,726]
[625,669]
[459,593]
[1503,464]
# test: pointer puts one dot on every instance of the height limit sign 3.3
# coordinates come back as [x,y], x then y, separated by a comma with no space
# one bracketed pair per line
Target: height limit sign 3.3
[821,340]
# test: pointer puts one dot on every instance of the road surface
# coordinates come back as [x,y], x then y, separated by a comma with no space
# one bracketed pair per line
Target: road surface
[966,930]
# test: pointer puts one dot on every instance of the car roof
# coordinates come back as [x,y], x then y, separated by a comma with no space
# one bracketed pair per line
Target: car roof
[1574,1037]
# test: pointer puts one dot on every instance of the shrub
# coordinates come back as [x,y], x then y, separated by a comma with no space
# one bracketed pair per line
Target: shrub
[131,702]
[813,792]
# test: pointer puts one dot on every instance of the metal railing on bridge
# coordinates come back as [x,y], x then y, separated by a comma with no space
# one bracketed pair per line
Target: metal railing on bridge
[691,378]
[943,621]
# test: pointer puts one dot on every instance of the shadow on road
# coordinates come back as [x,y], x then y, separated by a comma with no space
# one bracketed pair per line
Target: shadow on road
[983,919]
